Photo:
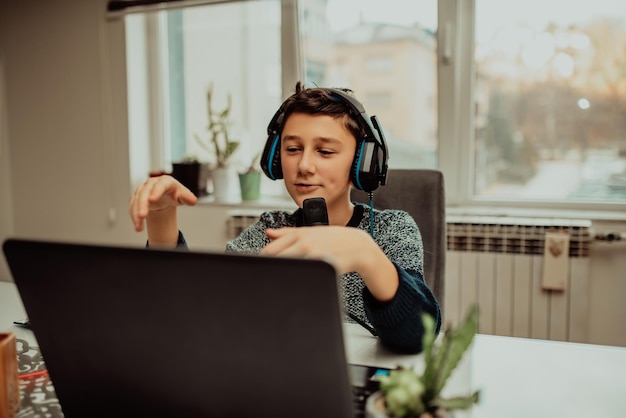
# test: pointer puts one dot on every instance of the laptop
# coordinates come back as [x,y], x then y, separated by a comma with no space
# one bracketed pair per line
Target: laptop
[149,332]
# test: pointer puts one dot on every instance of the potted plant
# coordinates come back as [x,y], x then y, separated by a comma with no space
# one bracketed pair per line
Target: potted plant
[250,180]
[189,171]
[405,393]
[220,145]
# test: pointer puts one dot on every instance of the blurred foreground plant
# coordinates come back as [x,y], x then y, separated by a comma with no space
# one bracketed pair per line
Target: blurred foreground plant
[408,394]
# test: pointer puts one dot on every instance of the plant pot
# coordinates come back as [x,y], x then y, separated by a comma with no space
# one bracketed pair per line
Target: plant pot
[188,174]
[375,407]
[250,185]
[204,180]
[225,185]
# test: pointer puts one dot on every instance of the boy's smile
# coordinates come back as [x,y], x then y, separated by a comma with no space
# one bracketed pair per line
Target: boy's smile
[316,158]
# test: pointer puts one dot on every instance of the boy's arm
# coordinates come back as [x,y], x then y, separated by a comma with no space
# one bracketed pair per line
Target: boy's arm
[154,203]
[399,321]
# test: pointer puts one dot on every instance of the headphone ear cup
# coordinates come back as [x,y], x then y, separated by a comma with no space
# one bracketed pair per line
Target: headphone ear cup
[270,160]
[365,172]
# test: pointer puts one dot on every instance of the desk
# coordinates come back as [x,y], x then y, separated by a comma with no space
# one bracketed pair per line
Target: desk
[517,377]
[521,378]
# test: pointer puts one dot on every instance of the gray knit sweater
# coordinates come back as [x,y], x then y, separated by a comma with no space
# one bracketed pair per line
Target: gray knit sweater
[398,322]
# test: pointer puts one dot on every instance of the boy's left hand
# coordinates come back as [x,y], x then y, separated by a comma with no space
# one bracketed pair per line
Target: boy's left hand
[340,246]
[346,249]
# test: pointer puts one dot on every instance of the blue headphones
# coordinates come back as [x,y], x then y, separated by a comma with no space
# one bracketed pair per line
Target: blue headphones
[369,166]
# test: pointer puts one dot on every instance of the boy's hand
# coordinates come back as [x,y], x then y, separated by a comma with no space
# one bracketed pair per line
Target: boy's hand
[340,246]
[346,249]
[158,194]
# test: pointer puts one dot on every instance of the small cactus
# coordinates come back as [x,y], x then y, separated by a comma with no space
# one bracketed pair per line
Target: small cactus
[403,392]
[408,394]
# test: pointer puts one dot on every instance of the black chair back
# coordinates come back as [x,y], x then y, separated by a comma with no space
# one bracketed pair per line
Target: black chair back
[421,193]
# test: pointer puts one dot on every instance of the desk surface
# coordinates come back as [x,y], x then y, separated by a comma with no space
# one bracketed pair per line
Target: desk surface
[517,377]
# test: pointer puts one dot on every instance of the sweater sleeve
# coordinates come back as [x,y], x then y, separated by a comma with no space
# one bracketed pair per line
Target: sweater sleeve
[180,244]
[399,321]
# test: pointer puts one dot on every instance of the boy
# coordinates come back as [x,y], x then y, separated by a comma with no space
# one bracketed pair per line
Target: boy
[322,143]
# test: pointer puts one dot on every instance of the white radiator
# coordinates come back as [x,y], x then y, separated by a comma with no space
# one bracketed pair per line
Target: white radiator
[238,221]
[499,263]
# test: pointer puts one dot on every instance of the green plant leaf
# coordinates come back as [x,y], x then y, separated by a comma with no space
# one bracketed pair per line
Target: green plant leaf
[438,359]
[254,166]
[402,395]
[459,402]
[403,389]
[428,341]
[456,343]
[209,99]
[231,148]
[218,142]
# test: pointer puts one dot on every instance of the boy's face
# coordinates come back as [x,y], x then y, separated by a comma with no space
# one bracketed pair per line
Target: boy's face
[316,154]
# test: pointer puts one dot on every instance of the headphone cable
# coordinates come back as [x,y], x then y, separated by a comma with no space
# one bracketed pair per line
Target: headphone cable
[371,196]
[363,324]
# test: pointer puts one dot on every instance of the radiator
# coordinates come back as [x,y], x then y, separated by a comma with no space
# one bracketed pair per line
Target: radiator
[238,221]
[499,264]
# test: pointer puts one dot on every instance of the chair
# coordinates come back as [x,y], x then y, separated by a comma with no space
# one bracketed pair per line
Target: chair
[420,193]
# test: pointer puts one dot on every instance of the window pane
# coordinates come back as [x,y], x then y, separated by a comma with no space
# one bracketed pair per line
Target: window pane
[386,53]
[550,100]
[235,48]
[175,56]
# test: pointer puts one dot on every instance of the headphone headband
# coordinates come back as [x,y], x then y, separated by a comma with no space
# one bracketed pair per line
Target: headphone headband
[369,167]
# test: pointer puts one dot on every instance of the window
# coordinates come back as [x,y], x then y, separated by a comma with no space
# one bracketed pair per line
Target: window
[235,47]
[550,100]
[386,52]
[232,49]
[519,104]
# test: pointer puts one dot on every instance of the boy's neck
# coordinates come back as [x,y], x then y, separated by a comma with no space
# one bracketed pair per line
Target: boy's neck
[340,214]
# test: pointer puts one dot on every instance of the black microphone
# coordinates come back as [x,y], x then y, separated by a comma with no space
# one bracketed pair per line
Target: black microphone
[314,211]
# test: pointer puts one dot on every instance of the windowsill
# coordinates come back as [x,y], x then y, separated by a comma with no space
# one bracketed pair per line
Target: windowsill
[520,212]
[285,203]
[264,202]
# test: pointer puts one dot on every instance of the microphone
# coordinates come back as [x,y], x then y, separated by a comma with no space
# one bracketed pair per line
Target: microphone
[314,211]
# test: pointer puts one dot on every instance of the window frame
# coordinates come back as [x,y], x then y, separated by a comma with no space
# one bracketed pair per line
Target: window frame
[455,75]
[457,68]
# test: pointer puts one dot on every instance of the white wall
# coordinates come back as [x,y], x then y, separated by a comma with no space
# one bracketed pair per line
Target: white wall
[6,209]
[63,138]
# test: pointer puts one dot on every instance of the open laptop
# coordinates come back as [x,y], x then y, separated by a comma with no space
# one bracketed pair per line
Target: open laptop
[147,332]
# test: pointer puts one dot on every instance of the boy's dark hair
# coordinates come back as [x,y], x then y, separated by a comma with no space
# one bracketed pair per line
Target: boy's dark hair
[319,101]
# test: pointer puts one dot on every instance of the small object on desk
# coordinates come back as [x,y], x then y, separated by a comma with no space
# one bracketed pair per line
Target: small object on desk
[38,396]
[24,323]
[365,381]
[36,374]
[9,384]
